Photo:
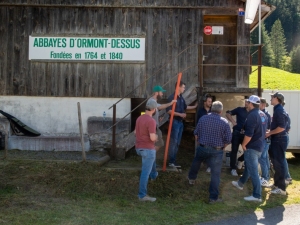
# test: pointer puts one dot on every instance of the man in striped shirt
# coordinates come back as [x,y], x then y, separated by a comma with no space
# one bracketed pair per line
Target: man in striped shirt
[213,134]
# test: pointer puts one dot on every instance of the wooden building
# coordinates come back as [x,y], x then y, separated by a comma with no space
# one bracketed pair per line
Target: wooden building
[171,31]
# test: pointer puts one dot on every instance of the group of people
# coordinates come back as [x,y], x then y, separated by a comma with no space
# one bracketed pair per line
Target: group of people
[259,136]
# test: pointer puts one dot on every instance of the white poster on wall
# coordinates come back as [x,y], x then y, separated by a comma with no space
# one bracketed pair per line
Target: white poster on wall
[86,48]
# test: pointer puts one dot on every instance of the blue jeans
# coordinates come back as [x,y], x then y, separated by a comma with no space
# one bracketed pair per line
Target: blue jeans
[214,158]
[277,155]
[175,139]
[251,170]
[148,169]
[287,172]
[237,139]
[265,162]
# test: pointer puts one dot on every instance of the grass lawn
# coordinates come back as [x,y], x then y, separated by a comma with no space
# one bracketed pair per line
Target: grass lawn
[49,192]
[275,79]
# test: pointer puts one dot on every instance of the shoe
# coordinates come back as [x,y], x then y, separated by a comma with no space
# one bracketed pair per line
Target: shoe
[152,179]
[236,184]
[212,201]
[264,182]
[272,186]
[278,191]
[147,198]
[240,165]
[252,199]
[234,173]
[174,165]
[208,170]
[288,181]
[191,182]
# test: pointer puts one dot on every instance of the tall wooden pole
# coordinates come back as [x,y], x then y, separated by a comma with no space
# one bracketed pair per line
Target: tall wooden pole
[171,122]
[259,71]
[81,132]
[113,144]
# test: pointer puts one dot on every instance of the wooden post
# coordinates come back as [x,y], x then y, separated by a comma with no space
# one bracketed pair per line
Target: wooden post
[113,144]
[200,93]
[259,71]
[81,132]
[171,122]
[200,66]
[6,143]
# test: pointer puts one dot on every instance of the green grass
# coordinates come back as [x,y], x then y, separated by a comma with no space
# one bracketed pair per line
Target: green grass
[275,79]
[40,192]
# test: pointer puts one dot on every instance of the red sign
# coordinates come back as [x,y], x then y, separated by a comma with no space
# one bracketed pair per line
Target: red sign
[207,30]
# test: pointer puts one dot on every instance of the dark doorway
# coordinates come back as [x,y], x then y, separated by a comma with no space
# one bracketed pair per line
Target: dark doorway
[136,113]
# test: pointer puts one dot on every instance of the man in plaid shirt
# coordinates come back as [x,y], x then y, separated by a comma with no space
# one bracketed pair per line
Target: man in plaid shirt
[213,134]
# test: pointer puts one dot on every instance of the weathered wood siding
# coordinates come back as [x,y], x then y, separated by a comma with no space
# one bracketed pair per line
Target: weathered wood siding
[168,30]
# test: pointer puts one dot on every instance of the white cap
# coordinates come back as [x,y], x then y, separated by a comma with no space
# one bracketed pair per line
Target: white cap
[254,99]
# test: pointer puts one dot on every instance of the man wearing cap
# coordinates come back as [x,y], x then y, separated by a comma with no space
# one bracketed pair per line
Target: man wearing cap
[213,134]
[287,176]
[145,129]
[278,143]
[264,158]
[177,126]
[237,133]
[253,145]
[157,94]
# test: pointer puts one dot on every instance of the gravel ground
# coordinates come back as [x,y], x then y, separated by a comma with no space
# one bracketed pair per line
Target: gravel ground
[52,155]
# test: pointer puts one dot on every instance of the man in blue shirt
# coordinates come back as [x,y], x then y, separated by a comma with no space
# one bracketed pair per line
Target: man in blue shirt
[264,158]
[177,126]
[253,145]
[213,134]
[237,133]
[278,143]
[207,102]
[287,176]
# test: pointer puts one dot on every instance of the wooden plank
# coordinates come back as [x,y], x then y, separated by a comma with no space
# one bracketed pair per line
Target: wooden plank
[3,46]
[149,43]
[156,49]
[10,51]
[16,39]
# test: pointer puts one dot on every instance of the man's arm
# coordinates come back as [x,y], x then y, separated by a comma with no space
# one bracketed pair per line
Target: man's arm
[164,106]
[227,135]
[153,136]
[183,115]
[280,127]
[275,131]
[245,142]
[193,106]
[230,118]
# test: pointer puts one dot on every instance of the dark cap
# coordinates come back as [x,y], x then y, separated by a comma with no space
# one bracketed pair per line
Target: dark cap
[151,104]
[279,96]
[263,100]
[158,89]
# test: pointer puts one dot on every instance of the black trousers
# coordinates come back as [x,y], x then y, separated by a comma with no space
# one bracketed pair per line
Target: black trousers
[237,139]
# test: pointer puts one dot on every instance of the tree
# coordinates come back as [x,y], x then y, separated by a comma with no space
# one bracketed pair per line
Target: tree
[295,60]
[288,11]
[267,51]
[278,44]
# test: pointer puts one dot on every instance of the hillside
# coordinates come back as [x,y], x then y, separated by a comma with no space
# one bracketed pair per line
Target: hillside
[276,79]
